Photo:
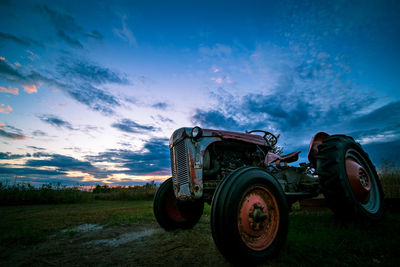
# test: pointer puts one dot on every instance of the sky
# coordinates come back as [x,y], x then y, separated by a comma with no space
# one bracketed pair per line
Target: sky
[90,91]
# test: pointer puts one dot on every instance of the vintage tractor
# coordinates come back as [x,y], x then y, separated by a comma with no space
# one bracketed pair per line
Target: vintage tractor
[251,189]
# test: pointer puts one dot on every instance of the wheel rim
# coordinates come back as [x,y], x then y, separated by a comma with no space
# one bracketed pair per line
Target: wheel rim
[362,181]
[359,180]
[258,218]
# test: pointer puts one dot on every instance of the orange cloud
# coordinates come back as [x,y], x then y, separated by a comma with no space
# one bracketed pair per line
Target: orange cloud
[9,90]
[217,80]
[1,125]
[30,89]
[5,109]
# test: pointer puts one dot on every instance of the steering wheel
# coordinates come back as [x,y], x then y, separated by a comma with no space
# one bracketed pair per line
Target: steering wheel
[269,137]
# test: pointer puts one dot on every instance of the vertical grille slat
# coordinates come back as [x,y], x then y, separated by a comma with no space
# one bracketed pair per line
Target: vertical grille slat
[179,160]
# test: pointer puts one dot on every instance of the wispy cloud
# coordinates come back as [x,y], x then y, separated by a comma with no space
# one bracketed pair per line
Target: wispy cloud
[160,105]
[95,35]
[152,158]
[9,90]
[66,163]
[90,73]
[25,41]
[55,121]
[95,98]
[64,24]
[129,126]
[9,155]
[11,132]
[68,39]
[39,133]
[5,109]
[125,32]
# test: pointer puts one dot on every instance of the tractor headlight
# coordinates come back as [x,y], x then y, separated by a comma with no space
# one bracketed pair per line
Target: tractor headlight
[196,132]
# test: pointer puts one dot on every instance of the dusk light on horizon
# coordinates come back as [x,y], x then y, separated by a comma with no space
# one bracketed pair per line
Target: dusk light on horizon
[90,91]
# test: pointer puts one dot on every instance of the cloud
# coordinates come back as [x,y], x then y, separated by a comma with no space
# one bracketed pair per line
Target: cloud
[36,148]
[307,95]
[29,171]
[39,133]
[64,24]
[215,119]
[9,90]
[152,158]
[75,85]
[55,121]
[68,39]
[65,163]
[8,155]
[13,38]
[160,105]
[95,98]
[27,78]
[5,109]
[125,33]
[380,152]
[25,41]
[388,114]
[11,132]
[90,73]
[95,35]
[30,89]
[129,126]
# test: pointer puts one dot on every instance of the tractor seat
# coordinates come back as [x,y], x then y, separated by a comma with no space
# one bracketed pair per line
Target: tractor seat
[285,159]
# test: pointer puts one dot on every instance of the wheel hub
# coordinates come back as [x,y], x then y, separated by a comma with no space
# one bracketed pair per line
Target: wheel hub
[258,218]
[359,180]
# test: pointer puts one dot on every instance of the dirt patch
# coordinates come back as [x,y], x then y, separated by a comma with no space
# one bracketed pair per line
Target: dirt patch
[123,239]
[137,245]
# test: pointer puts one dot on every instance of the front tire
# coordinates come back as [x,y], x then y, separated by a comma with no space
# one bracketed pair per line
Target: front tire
[348,179]
[172,214]
[249,216]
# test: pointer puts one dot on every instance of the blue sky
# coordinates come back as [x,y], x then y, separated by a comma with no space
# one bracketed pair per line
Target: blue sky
[90,91]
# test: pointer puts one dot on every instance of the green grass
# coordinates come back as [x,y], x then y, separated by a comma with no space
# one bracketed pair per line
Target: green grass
[31,224]
[314,237]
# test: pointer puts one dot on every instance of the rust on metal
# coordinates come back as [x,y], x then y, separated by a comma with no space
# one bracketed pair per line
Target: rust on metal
[258,218]
[359,180]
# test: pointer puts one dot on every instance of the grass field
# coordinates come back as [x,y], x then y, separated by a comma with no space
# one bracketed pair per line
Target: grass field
[46,235]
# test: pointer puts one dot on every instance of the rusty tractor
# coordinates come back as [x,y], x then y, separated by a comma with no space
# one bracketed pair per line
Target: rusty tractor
[251,188]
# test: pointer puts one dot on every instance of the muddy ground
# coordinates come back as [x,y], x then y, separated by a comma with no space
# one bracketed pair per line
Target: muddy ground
[133,245]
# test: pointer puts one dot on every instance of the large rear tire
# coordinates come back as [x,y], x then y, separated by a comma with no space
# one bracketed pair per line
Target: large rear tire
[348,179]
[173,214]
[249,216]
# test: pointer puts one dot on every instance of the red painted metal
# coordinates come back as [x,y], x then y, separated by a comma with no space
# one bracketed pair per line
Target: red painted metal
[359,180]
[313,147]
[278,159]
[258,218]
[245,137]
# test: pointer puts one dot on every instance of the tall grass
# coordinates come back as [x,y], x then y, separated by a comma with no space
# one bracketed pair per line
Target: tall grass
[26,194]
[390,178]
[146,192]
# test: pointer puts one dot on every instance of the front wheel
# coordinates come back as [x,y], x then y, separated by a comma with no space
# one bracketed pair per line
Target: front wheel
[349,180]
[249,216]
[173,214]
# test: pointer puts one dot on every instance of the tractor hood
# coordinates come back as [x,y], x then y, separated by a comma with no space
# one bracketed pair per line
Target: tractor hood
[184,132]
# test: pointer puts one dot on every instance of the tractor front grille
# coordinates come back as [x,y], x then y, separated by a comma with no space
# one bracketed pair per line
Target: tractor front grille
[179,164]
